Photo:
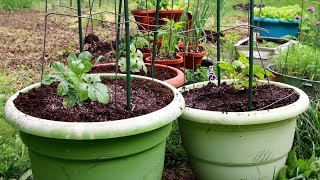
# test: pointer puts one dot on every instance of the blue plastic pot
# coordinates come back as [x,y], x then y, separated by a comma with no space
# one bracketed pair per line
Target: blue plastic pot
[276,27]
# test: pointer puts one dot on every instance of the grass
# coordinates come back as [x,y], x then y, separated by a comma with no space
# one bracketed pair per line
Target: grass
[307,138]
[13,154]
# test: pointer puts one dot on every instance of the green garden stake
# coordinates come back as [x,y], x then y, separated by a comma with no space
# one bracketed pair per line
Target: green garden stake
[251,54]
[153,57]
[80,25]
[126,15]
[218,41]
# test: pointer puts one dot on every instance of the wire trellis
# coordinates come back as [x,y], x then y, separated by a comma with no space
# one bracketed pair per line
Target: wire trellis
[121,25]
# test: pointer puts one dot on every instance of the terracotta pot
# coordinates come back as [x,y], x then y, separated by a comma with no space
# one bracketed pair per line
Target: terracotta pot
[145,17]
[170,62]
[170,14]
[191,60]
[145,55]
[176,81]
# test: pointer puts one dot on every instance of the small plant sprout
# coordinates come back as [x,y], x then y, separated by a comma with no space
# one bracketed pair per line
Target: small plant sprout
[136,61]
[169,33]
[211,76]
[75,85]
[239,69]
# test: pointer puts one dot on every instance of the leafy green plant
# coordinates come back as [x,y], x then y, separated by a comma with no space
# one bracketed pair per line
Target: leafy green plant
[13,157]
[307,137]
[136,61]
[300,169]
[177,4]
[300,61]
[140,40]
[283,13]
[146,4]
[267,44]
[200,17]
[229,40]
[198,76]
[170,35]
[239,69]
[76,85]
[310,27]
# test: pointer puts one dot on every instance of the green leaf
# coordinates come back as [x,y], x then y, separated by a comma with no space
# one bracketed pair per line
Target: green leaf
[283,173]
[260,75]
[99,91]
[85,56]
[225,65]
[238,63]
[302,164]
[57,67]
[71,100]
[49,79]
[92,78]
[82,91]
[71,57]
[87,67]
[63,88]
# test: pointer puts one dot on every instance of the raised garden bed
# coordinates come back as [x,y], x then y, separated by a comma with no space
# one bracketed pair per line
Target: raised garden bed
[268,48]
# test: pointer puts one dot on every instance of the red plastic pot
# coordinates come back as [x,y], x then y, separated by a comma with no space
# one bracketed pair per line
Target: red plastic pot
[170,14]
[191,59]
[145,17]
[170,62]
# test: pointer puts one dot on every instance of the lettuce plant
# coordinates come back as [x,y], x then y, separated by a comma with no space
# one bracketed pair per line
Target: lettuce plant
[283,13]
[239,69]
[136,61]
[75,85]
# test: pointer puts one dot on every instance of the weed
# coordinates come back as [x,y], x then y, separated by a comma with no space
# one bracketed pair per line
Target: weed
[174,149]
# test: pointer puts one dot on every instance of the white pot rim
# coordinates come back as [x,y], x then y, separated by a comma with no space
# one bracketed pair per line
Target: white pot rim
[95,130]
[247,118]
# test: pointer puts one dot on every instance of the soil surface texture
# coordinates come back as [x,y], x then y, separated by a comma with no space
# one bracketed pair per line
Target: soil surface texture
[225,98]
[181,171]
[147,97]
[159,73]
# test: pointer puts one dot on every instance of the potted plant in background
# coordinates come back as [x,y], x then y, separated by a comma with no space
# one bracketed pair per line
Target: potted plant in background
[279,21]
[169,34]
[299,67]
[193,56]
[171,10]
[144,14]
[225,141]
[75,142]
[168,74]
[265,48]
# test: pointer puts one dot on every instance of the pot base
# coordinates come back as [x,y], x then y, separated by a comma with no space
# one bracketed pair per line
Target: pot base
[232,152]
[134,157]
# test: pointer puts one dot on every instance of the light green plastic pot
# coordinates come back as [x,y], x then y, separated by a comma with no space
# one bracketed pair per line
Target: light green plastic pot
[239,145]
[128,149]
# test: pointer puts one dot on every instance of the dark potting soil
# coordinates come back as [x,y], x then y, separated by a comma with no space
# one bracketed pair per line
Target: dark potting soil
[225,98]
[181,171]
[159,73]
[147,97]
[98,48]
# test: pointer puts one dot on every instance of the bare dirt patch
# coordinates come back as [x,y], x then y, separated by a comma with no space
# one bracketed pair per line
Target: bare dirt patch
[21,37]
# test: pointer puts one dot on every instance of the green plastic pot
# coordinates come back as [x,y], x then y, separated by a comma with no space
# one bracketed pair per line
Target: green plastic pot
[128,149]
[312,88]
[239,145]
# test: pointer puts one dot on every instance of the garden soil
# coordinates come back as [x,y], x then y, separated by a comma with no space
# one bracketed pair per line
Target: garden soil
[226,98]
[147,97]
